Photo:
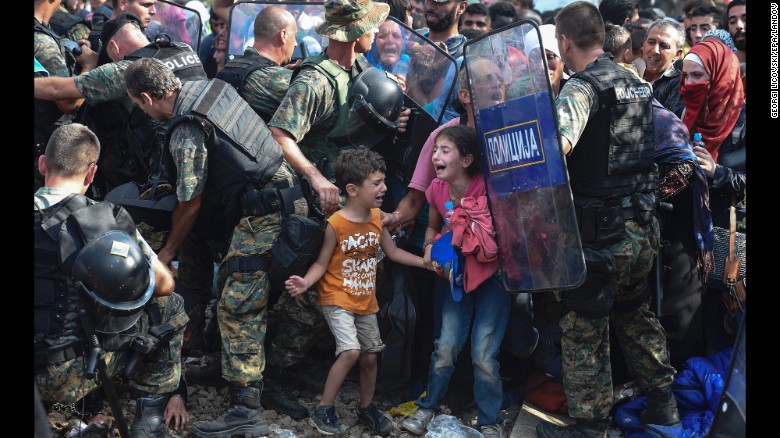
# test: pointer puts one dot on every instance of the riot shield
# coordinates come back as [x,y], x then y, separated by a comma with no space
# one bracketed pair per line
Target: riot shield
[181,23]
[427,75]
[307,15]
[524,167]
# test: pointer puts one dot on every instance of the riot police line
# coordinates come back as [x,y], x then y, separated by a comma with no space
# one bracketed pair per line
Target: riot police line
[374,100]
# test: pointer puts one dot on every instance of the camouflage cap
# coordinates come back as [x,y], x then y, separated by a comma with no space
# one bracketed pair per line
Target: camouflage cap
[348,20]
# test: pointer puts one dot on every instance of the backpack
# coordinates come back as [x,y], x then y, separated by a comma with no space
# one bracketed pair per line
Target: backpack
[296,248]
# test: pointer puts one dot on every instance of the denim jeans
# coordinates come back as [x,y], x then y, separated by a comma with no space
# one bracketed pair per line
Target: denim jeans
[489,304]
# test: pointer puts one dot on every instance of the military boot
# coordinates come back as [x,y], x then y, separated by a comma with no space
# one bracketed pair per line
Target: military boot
[149,421]
[206,375]
[580,429]
[275,398]
[661,408]
[244,417]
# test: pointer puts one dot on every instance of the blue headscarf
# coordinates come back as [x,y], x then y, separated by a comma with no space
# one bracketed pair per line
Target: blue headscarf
[673,145]
[724,36]
[373,55]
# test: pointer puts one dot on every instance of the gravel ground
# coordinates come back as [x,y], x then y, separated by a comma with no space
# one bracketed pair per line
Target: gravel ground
[207,403]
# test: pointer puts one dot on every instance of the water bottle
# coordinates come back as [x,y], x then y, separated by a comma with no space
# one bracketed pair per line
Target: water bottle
[450,206]
[401,68]
[697,141]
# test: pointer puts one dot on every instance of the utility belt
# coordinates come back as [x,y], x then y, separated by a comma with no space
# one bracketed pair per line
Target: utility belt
[602,222]
[274,196]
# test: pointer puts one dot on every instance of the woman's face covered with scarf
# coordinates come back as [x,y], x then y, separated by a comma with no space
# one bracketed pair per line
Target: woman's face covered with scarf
[711,88]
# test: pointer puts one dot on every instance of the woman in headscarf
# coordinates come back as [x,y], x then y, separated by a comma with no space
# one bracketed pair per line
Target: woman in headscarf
[714,98]
[388,47]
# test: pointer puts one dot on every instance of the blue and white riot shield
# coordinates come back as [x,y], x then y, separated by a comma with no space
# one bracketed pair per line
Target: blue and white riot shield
[524,167]
[181,23]
[307,16]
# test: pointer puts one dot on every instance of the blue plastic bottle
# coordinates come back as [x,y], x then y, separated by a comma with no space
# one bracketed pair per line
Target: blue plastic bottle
[697,141]
[450,206]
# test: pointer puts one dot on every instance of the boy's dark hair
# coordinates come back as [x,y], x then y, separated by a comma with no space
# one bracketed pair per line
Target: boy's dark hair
[355,165]
[637,31]
[476,9]
[618,11]
[503,9]
[465,139]
[713,11]
[616,38]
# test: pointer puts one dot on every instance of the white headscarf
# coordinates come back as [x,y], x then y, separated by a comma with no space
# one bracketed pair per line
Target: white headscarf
[548,39]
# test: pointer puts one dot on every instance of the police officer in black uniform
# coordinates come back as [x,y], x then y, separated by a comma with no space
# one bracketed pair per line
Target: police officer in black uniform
[606,126]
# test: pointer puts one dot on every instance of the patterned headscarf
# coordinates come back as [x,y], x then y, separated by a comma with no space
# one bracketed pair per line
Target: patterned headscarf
[712,108]
[724,36]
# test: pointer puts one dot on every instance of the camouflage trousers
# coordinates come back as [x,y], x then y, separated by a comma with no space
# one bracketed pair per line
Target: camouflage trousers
[300,326]
[157,373]
[243,300]
[587,376]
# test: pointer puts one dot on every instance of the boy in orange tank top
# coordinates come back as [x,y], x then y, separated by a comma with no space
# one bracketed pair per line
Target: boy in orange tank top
[346,271]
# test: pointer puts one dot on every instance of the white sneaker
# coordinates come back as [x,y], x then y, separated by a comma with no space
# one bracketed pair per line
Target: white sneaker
[419,422]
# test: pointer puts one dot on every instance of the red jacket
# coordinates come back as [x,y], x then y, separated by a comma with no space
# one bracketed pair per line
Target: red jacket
[472,231]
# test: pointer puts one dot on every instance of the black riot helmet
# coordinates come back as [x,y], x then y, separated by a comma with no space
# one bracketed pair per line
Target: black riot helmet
[118,279]
[375,100]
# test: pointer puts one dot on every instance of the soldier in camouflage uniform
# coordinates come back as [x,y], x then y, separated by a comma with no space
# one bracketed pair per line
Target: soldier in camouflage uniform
[49,52]
[605,110]
[309,126]
[60,340]
[132,139]
[260,79]
[251,193]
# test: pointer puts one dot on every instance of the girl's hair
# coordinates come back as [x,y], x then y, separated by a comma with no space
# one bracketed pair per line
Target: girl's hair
[465,139]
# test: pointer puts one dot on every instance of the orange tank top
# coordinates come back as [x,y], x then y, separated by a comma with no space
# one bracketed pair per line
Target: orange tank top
[350,280]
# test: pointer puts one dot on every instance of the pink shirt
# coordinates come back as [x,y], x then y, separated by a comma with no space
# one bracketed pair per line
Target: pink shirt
[438,192]
[424,172]
[476,270]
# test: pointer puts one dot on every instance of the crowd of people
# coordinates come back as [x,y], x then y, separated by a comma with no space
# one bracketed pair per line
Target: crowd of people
[157,145]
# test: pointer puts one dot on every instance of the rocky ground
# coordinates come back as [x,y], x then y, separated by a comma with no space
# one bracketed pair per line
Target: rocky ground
[207,403]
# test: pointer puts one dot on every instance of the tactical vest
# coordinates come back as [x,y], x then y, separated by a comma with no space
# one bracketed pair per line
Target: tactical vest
[315,148]
[237,70]
[47,115]
[614,156]
[241,149]
[61,22]
[56,298]
[132,145]
[179,57]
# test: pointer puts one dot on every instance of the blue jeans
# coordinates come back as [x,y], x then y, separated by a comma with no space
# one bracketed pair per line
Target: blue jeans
[489,304]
